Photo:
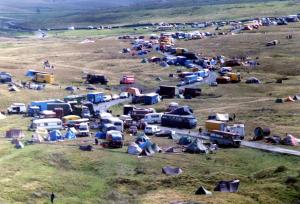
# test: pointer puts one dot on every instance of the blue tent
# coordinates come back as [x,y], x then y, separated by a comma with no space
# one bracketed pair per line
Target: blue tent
[70,135]
[55,135]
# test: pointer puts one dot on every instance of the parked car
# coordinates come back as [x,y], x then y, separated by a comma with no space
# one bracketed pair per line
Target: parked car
[107,98]
[115,96]
[165,133]
[124,95]
[151,129]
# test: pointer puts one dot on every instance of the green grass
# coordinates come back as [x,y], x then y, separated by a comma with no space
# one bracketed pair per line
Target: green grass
[95,33]
[105,175]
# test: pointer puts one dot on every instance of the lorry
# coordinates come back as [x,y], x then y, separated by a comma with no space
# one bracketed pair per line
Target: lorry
[211,125]
[96,97]
[96,79]
[167,91]
[17,108]
[127,79]
[227,139]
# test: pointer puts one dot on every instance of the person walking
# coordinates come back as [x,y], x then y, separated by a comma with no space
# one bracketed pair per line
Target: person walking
[52,197]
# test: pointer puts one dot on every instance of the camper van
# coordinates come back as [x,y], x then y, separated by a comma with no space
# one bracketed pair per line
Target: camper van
[153,118]
[48,124]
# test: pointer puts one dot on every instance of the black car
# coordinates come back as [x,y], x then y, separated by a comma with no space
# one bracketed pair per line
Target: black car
[165,133]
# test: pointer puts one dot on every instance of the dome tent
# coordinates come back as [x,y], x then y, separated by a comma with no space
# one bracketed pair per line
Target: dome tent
[55,135]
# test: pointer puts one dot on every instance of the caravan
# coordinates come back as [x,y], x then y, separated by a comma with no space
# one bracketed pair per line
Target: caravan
[48,124]
[153,118]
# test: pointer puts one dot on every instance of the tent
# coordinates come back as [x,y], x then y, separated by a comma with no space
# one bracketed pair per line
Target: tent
[222,117]
[91,87]
[173,150]
[273,139]
[171,171]
[86,148]
[70,134]
[13,88]
[55,135]
[253,80]
[14,133]
[2,116]
[290,140]
[145,60]
[134,149]
[228,186]
[185,140]
[19,144]
[164,64]
[196,147]
[71,88]
[289,99]
[297,97]
[148,148]
[202,191]
[142,139]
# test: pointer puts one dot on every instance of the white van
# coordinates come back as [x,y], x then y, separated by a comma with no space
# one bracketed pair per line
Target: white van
[151,129]
[48,124]
[152,118]
[114,121]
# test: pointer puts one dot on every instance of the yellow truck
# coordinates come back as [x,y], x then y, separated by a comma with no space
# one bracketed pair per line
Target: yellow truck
[44,78]
[211,125]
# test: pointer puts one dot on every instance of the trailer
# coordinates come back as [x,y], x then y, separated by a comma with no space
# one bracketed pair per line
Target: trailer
[167,91]
[226,139]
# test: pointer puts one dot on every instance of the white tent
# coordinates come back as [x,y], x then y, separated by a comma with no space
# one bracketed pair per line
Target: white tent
[222,117]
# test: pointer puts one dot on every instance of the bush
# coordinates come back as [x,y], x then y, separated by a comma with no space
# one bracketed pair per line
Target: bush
[280,169]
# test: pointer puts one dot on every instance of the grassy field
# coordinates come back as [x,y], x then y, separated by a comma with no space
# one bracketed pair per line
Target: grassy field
[112,176]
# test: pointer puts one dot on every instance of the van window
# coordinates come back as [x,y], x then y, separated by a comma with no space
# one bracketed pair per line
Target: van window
[46,124]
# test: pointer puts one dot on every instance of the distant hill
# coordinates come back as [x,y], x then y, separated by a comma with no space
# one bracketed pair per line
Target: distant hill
[35,14]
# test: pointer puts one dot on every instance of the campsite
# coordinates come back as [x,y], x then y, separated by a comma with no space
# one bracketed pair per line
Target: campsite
[193,113]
